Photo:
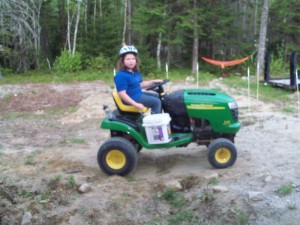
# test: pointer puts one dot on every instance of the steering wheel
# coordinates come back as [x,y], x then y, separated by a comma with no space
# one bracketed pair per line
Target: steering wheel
[154,86]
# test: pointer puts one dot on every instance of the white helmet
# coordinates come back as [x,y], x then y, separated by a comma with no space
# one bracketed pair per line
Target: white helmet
[128,49]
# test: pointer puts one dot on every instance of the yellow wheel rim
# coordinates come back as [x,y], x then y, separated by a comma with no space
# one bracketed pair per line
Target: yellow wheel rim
[223,155]
[115,159]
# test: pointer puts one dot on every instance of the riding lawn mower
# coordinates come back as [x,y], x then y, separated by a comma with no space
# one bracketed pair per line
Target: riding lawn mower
[205,117]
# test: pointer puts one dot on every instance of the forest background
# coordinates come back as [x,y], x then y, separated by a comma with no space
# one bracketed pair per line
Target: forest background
[75,35]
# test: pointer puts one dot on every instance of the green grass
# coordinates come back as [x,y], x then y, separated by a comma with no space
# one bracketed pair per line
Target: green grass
[265,92]
[178,204]
[55,180]
[242,217]
[175,199]
[71,181]
[77,140]
[23,115]
[106,76]
[55,77]
[285,190]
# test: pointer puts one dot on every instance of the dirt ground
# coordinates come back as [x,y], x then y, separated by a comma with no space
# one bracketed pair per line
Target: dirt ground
[49,141]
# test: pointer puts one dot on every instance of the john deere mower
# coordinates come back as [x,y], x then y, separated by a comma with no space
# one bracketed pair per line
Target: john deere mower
[205,117]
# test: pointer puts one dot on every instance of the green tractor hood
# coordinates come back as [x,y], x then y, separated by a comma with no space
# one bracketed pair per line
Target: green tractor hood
[219,109]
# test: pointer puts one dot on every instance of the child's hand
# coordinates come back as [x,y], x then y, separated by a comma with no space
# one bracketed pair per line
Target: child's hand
[140,106]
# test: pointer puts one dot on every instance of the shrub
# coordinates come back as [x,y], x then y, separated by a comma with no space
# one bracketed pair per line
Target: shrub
[99,63]
[68,62]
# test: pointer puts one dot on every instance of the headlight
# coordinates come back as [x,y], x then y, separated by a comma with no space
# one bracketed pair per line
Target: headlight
[232,105]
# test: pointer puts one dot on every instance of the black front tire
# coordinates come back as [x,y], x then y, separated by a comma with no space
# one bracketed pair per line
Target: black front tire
[117,156]
[221,153]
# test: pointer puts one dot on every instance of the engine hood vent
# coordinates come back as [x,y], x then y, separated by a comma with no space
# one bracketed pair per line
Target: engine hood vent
[201,93]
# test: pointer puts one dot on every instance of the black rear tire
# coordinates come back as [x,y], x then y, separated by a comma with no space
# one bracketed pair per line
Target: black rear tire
[221,153]
[117,156]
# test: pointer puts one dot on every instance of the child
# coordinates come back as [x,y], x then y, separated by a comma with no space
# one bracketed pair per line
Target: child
[129,82]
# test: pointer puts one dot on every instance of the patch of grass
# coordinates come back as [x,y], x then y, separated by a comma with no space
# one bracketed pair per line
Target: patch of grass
[285,190]
[54,182]
[59,111]
[242,217]
[29,161]
[292,206]
[7,97]
[207,196]
[179,213]
[23,115]
[77,140]
[288,110]
[30,158]
[182,217]
[213,181]
[43,198]
[71,181]
[56,77]
[1,153]
[265,92]
[130,178]
[25,194]
[47,76]
[126,196]
[175,199]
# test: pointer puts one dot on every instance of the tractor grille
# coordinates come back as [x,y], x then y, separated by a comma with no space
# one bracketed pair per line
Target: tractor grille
[235,114]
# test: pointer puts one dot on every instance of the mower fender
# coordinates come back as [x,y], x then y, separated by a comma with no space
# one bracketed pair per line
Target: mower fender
[232,128]
[120,126]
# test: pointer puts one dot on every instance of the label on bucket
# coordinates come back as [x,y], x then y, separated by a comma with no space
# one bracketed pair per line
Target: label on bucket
[157,133]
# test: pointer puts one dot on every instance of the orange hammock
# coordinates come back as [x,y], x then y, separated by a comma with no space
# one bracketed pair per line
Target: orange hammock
[223,64]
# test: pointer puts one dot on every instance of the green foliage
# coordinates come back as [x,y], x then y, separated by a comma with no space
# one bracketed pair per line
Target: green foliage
[242,217]
[283,29]
[25,194]
[54,182]
[100,63]
[213,181]
[148,66]
[175,199]
[279,67]
[284,190]
[207,196]
[225,30]
[68,62]
[58,77]
[181,214]
[71,181]
[30,159]
[77,140]
[181,217]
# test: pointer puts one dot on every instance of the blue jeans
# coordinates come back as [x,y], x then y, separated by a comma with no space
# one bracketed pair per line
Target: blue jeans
[151,100]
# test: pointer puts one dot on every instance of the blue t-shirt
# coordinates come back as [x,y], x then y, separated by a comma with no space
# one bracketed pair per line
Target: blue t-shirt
[130,82]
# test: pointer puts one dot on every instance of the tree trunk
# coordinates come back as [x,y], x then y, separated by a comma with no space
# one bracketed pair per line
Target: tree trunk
[129,26]
[158,51]
[76,26]
[196,40]
[94,21]
[125,23]
[86,10]
[262,39]
[68,26]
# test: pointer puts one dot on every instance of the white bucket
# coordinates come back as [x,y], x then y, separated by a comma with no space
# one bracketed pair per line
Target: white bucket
[157,128]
